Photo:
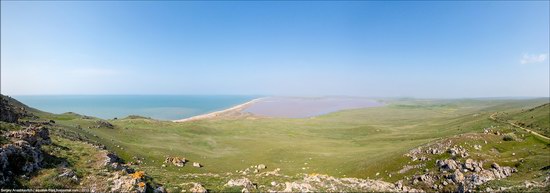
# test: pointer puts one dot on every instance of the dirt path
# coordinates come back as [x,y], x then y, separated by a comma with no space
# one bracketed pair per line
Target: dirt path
[492,117]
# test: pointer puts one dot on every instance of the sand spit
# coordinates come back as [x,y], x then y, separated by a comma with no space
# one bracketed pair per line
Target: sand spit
[235,109]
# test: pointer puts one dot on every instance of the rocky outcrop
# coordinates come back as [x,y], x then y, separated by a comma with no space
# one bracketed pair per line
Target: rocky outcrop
[325,183]
[298,187]
[437,148]
[11,110]
[472,180]
[456,171]
[242,182]
[177,161]
[458,151]
[103,124]
[198,188]
[466,176]
[35,136]
[447,164]
[110,158]
[125,178]
[23,155]
[128,183]
[472,165]
[113,162]
[8,112]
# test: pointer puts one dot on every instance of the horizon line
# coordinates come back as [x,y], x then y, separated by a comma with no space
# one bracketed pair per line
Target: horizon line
[308,96]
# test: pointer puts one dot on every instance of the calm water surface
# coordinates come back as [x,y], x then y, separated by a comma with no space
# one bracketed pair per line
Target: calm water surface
[300,107]
[164,107]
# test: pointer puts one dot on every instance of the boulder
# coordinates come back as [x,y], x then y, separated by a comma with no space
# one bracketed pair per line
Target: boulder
[458,151]
[198,188]
[447,164]
[159,189]
[177,161]
[472,165]
[110,158]
[127,183]
[198,165]
[457,176]
[244,182]
[113,162]
[495,166]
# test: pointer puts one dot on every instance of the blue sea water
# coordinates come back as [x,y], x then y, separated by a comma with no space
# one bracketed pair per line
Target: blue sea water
[163,107]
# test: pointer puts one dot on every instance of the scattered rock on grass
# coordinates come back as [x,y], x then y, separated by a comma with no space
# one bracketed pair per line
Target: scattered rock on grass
[177,161]
[198,165]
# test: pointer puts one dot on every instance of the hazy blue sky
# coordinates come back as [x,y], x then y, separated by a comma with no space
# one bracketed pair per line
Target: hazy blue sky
[416,49]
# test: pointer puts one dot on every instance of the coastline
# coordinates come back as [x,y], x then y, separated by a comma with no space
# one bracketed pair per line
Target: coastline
[236,108]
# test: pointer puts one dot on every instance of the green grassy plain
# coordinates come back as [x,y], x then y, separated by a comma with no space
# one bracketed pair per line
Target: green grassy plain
[351,143]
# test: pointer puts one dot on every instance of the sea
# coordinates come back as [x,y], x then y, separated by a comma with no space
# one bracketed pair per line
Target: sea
[162,107]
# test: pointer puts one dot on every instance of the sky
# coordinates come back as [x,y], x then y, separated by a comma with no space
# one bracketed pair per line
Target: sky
[291,48]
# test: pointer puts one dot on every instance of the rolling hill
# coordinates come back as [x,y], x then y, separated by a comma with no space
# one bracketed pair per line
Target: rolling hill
[344,148]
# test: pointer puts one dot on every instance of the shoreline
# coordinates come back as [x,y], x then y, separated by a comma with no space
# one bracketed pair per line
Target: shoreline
[235,108]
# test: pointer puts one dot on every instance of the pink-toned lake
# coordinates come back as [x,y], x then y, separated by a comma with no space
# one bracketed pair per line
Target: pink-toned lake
[299,107]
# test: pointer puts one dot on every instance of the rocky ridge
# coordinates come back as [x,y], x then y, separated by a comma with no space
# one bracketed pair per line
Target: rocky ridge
[457,172]
[22,155]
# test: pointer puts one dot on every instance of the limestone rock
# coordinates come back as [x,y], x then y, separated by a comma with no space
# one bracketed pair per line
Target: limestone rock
[126,183]
[35,136]
[447,164]
[472,165]
[198,165]
[244,182]
[177,161]
[68,173]
[457,176]
[198,188]
[113,162]
[10,113]
[23,155]
[103,124]
[298,187]
[159,189]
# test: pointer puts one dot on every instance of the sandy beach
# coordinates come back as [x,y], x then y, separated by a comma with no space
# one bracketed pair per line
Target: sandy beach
[289,107]
[234,109]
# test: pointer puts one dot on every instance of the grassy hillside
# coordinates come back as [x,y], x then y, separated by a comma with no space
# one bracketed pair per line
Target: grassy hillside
[352,143]
[534,118]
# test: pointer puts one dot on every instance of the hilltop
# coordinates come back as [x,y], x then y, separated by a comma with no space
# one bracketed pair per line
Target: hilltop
[36,153]
[407,145]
